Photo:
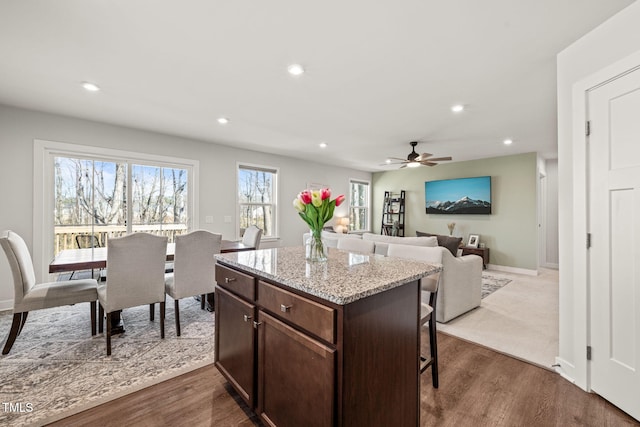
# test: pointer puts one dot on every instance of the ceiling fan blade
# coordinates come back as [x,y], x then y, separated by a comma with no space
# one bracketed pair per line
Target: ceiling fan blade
[423,156]
[396,158]
[439,159]
[403,166]
[428,163]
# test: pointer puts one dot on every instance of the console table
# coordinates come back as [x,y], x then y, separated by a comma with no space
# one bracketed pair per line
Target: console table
[482,252]
[321,344]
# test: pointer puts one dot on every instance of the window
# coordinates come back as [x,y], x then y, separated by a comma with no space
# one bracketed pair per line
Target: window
[359,205]
[257,199]
[108,193]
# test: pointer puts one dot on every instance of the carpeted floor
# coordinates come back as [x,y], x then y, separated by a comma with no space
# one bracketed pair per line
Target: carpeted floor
[56,368]
[520,320]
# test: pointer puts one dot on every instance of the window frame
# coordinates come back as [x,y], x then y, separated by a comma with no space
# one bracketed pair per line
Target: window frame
[367,207]
[44,193]
[276,172]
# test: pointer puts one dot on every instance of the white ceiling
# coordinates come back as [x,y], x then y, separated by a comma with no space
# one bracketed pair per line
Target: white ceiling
[379,73]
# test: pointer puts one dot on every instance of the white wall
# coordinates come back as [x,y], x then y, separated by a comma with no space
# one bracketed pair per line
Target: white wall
[217,196]
[612,41]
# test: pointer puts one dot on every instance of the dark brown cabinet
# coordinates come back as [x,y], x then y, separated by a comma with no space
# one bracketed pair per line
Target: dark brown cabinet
[481,252]
[305,361]
[235,342]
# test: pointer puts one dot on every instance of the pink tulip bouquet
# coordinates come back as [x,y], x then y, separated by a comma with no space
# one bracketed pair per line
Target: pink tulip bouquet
[316,208]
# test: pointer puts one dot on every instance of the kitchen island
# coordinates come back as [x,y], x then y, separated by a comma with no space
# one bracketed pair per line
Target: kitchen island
[321,344]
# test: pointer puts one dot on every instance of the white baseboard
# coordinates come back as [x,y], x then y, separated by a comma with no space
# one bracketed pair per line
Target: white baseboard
[6,305]
[565,369]
[515,270]
[553,266]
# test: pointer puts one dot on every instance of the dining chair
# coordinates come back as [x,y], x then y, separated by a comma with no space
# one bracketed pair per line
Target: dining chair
[251,236]
[357,245]
[29,295]
[136,277]
[428,298]
[193,268]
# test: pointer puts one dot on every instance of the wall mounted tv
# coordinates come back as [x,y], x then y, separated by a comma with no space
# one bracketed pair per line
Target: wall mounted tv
[458,196]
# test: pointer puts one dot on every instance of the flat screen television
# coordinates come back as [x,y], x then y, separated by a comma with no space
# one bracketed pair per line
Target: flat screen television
[458,196]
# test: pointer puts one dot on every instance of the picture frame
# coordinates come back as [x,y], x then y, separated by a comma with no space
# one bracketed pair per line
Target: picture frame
[474,240]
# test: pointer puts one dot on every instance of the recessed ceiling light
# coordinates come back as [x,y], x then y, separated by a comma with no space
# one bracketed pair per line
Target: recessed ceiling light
[295,69]
[91,87]
[457,108]
[223,120]
[508,141]
[323,145]
[388,161]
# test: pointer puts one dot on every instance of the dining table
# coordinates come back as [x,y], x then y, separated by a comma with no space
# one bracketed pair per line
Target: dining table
[69,260]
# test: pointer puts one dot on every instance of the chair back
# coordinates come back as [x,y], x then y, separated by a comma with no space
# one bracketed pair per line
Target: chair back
[420,253]
[136,270]
[24,276]
[193,264]
[84,241]
[356,245]
[251,236]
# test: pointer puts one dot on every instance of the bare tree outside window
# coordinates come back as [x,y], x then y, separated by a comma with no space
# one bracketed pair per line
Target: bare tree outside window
[256,199]
[359,206]
[91,198]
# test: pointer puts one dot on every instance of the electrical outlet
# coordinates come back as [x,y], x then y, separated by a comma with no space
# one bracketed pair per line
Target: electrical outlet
[227,219]
[208,219]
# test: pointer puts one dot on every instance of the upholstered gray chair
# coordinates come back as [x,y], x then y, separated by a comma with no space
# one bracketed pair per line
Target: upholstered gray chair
[193,268]
[251,236]
[30,295]
[357,245]
[136,277]
[429,296]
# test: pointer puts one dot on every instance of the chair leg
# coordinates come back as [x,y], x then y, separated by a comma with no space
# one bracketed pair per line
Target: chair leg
[203,301]
[162,306]
[93,318]
[24,320]
[176,309]
[108,334]
[13,332]
[100,318]
[152,312]
[433,345]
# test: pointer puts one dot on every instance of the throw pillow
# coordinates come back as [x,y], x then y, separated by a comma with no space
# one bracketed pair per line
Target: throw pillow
[449,242]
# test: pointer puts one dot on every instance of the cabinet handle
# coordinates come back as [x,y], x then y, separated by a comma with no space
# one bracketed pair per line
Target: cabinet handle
[229,279]
[256,324]
[284,308]
[246,318]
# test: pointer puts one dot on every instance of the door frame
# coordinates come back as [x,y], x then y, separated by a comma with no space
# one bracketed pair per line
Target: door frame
[579,371]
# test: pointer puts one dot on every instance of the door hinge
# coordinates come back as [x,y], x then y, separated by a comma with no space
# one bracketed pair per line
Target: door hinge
[587,128]
[588,240]
[588,352]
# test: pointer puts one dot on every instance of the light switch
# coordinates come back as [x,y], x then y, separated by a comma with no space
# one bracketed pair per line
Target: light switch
[208,219]
[227,218]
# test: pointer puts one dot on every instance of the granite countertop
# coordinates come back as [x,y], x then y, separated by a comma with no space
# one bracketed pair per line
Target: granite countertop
[345,277]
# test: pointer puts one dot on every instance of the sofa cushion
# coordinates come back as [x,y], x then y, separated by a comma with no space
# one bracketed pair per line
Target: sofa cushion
[382,241]
[449,242]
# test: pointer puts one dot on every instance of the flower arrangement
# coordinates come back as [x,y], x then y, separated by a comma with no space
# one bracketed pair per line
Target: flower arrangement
[451,226]
[315,207]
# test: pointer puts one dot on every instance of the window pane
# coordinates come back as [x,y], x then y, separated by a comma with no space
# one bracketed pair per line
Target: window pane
[359,206]
[89,198]
[256,199]
[175,213]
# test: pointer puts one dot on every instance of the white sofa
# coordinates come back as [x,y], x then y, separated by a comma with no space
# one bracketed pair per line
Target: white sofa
[460,281]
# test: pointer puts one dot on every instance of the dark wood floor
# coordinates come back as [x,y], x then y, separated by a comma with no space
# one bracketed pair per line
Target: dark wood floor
[478,387]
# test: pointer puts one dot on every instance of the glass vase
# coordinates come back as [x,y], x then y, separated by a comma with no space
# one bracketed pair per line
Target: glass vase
[315,249]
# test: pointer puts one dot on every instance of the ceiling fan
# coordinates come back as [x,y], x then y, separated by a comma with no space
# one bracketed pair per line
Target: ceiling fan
[414,159]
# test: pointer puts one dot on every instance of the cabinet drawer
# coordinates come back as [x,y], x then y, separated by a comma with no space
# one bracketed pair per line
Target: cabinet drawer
[309,315]
[238,283]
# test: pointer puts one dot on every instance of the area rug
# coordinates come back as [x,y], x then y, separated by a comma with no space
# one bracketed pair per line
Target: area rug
[56,368]
[491,283]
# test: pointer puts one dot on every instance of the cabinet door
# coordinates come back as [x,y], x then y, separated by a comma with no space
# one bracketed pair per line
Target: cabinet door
[296,376]
[235,342]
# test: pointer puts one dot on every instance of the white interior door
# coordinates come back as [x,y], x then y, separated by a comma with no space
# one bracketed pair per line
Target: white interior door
[614,224]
